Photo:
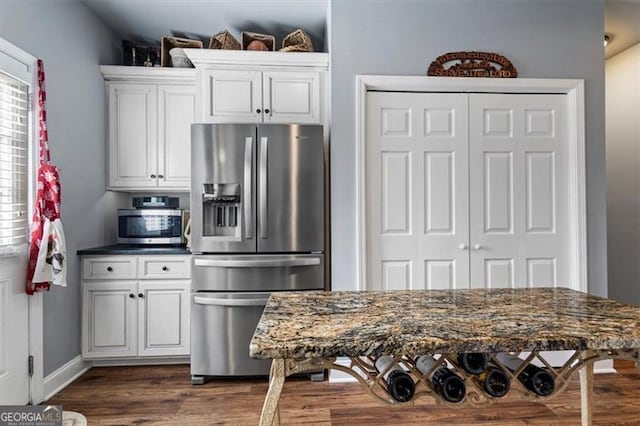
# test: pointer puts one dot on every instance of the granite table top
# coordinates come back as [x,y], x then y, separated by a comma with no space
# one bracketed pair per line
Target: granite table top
[331,324]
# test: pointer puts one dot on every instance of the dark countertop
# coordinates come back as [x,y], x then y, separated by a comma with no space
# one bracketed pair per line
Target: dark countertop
[332,324]
[134,249]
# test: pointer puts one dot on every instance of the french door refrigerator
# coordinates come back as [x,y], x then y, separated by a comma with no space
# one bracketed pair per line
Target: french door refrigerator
[257,226]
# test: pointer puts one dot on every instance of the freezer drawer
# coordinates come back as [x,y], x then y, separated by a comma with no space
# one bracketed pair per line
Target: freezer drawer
[258,272]
[222,325]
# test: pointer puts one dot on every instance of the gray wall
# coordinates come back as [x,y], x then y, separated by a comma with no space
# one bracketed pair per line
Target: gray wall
[623,174]
[72,42]
[543,38]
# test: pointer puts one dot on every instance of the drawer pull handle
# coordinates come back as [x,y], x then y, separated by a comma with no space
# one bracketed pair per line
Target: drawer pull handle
[131,295]
[165,268]
[109,269]
[141,295]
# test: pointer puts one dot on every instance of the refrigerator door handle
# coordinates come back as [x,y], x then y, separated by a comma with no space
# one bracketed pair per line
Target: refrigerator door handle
[264,228]
[228,302]
[257,263]
[248,190]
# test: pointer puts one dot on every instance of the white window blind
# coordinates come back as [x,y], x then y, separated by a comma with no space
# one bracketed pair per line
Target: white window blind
[14,159]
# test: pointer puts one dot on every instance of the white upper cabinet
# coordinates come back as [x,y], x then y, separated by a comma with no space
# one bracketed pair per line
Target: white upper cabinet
[132,134]
[150,116]
[260,87]
[233,96]
[176,112]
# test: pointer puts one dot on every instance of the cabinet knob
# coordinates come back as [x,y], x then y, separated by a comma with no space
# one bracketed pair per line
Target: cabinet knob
[266,111]
[477,247]
[463,246]
[109,269]
[258,111]
[153,176]
[131,295]
[165,268]
[141,295]
[160,176]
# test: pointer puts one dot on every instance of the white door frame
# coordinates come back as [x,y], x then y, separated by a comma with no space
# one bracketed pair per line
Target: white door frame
[28,63]
[574,89]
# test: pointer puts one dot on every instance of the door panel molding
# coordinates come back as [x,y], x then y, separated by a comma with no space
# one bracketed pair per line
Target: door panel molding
[539,126]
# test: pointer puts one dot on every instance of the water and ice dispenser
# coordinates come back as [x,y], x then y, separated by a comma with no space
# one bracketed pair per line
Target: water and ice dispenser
[221,203]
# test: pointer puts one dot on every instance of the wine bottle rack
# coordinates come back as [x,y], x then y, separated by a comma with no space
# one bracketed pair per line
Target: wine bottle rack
[364,371]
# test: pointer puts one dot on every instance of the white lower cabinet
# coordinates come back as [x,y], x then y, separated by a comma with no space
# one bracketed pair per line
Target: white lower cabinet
[136,318]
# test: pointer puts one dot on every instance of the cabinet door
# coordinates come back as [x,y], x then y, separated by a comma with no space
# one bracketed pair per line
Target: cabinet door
[109,312]
[292,97]
[232,96]
[132,135]
[163,318]
[176,112]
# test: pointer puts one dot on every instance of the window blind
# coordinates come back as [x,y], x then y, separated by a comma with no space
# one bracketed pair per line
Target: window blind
[14,159]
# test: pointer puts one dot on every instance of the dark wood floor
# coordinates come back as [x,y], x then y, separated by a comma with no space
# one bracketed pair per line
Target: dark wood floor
[164,395]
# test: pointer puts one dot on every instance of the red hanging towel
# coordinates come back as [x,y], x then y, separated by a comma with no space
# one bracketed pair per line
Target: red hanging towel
[47,202]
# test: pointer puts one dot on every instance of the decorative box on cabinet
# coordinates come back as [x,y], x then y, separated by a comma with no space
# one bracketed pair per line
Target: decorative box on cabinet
[260,87]
[135,306]
[150,114]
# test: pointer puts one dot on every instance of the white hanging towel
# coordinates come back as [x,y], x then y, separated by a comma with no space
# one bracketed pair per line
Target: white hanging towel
[51,265]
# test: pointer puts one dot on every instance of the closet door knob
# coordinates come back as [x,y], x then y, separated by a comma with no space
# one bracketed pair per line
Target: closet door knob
[131,295]
[141,295]
[153,176]
[258,111]
[160,176]
[266,111]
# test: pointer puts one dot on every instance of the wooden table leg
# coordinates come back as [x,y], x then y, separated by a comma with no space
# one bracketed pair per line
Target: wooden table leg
[586,394]
[270,413]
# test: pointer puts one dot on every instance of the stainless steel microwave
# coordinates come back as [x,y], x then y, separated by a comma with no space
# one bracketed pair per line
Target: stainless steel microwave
[150,226]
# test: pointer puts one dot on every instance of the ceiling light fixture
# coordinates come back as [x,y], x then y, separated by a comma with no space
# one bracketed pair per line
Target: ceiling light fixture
[607,39]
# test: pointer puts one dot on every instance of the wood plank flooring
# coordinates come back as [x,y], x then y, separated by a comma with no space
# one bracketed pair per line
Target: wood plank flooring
[163,395]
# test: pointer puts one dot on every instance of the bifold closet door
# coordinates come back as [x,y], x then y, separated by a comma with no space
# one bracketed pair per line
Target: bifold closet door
[519,182]
[417,208]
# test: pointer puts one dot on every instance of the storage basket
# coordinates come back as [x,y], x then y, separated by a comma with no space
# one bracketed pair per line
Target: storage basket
[297,41]
[224,40]
[268,40]
[169,43]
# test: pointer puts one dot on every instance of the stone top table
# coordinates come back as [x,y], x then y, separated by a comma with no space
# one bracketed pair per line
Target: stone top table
[306,330]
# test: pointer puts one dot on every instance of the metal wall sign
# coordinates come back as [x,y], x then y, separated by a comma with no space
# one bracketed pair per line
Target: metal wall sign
[472,64]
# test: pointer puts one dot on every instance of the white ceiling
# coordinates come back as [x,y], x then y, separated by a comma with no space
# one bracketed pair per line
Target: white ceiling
[622,22]
[150,20]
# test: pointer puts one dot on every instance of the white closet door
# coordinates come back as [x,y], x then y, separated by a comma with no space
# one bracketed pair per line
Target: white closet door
[417,191]
[518,150]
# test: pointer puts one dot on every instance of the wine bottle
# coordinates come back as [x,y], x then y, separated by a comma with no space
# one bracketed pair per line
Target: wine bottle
[536,379]
[473,362]
[400,385]
[494,381]
[444,381]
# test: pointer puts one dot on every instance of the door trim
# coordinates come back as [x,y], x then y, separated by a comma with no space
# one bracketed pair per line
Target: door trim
[573,88]
[35,303]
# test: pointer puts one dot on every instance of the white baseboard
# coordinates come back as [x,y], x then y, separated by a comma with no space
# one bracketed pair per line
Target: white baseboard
[63,376]
[336,376]
[604,367]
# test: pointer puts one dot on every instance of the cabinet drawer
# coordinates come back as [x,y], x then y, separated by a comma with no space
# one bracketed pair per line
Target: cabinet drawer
[115,267]
[165,267]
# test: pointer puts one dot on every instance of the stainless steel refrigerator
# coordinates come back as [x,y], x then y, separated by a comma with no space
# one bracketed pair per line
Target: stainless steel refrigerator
[257,226]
